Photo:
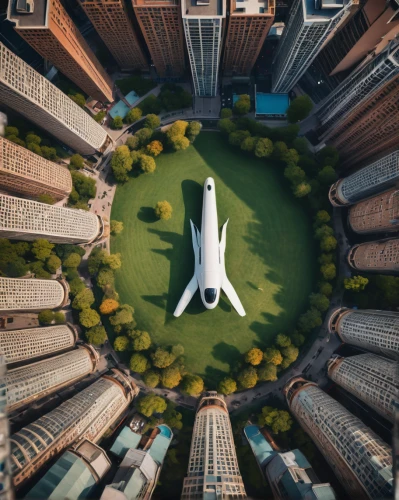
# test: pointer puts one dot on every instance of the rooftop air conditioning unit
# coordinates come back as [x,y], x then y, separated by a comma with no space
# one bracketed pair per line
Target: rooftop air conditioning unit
[25,6]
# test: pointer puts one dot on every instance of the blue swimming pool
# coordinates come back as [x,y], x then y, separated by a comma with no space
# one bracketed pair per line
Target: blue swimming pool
[120,108]
[275,105]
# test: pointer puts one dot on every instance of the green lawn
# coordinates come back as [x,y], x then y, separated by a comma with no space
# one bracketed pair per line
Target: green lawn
[270,254]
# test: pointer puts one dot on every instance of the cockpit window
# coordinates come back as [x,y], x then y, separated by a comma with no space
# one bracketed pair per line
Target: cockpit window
[209,187]
[210,295]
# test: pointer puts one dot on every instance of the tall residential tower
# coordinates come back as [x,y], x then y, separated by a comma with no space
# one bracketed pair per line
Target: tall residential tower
[380,256]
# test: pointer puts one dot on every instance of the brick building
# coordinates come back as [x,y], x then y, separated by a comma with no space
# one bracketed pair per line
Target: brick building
[381,256]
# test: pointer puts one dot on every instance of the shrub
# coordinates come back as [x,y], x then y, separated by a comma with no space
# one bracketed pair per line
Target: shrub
[356,284]
[46,198]
[227,386]
[45,317]
[163,210]
[59,318]
[116,227]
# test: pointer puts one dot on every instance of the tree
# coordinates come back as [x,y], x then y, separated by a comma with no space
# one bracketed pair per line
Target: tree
[242,105]
[192,385]
[193,129]
[79,99]
[46,198]
[17,140]
[11,131]
[96,335]
[132,142]
[148,405]
[171,377]
[17,268]
[53,263]
[163,210]
[290,354]
[177,129]
[116,123]
[72,261]
[226,113]
[95,260]
[356,284]
[147,164]
[327,175]
[133,115]
[277,420]
[59,318]
[121,343]
[294,174]
[89,317]
[328,271]
[105,278]
[99,116]
[32,138]
[267,372]
[238,137]
[322,217]
[35,148]
[75,286]
[263,148]
[121,163]
[302,189]
[178,350]
[83,299]
[301,145]
[41,249]
[116,227]
[151,379]
[328,243]
[326,288]
[139,363]
[323,231]
[227,386]
[283,340]
[226,126]
[49,153]
[45,317]
[109,306]
[141,340]
[154,148]
[319,301]
[76,162]
[280,151]
[123,316]
[254,356]
[297,339]
[144,135]
[247,378]
[292,157]
[180,143]
[309,320]
[85,186]
[152,121]
[37,269]
[299,108]
[173,418]
[113,261]
[162,358]
[248,144]
[328,156]
[273,355]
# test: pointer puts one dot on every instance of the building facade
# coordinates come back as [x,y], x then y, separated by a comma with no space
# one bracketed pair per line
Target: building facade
[371,378]
[213,467]
[87,415]
[161,25]
[111,21]
[204,25]
[23,172]
[30,94]
[248,26]
[6,485]
[30,383]
[17,295]
[28,220]
[377,214]
[381,256]
[51,32]
[376,331]
[308,29]
[17,346]
[359,458]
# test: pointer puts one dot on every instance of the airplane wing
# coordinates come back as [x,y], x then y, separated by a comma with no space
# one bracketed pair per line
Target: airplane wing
[228,289]
[187,296]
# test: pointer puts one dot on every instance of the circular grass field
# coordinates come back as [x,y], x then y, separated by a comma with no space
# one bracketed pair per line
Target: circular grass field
[270,254]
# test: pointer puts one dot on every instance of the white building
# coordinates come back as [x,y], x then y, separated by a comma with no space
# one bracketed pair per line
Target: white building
[29,220]
[361,461]
[18,294]
[369,377]
[213,468]
[308,29]
[30,94]
[203,23]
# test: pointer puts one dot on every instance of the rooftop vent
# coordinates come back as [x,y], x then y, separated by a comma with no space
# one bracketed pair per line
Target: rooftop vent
[25,6]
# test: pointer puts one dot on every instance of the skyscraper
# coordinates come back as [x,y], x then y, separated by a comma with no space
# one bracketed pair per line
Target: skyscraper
[376,331]
[248,25]
[359,458]
[203,24]
[310,25]
[371,378]
[161,25]
[5,466]
[23,172]
[30,383]
[28,220]
[213,467]
[28,93]
[87,415]
[372,179]
[32,294]
[51,32]
[111,21]
[377,214]
[381,256]
[25,345]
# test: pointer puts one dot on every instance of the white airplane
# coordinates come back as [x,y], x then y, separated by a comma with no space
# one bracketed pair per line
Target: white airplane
[209,272]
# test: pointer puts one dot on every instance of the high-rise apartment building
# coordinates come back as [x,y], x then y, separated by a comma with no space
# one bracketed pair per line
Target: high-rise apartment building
[17,295]
[51,32]
[111,21]
[212,467]
[23,172]
[376,331]
[30,383]
[161,25]
[310,26]
[377,214]
[203,24]
[359,458]
[28,93]
[5,468]
[371,378]
[25,345]
[87,415]
[28,220]
[248,25]
[381,256]
[372,179]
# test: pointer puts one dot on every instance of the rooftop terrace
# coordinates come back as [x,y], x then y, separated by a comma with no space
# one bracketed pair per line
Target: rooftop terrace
[251,7]
[204,8]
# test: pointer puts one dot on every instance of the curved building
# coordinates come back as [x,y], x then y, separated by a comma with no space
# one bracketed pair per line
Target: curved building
[32,382]
[87,415]
[18,294]
[377,214]
[359,458]
[375,256]
[369,377]
[376,331]
[367,181]
[28,220]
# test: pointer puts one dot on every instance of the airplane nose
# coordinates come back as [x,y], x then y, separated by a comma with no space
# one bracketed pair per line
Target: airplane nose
[209,183]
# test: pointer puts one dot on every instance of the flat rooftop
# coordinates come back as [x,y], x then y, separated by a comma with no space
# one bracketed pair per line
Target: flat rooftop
[203,8]
[36,19]
[242,7]
[328,9]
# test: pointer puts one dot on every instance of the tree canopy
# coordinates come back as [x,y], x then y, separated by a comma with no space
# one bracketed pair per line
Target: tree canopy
[133,115]
[89,317]
[299,108]
[163,210]
[152,121]
[254,356]
[277,420]
[243,105]
[356,283]
[116,227]
[192,385]
[227,386]
[141,340]
[162,358]
[121,163]
[121,343]
[247,378]
[150,404]
[171,377]
[96,335]
[139,363]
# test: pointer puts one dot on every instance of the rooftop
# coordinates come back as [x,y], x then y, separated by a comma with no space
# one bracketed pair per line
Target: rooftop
[322,10]
[242,7]
[127,439]
[204,8]
[24,19]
